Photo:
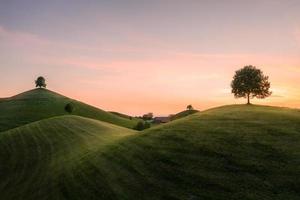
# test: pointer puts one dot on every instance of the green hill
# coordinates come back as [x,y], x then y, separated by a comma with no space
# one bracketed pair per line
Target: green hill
[183,114]
[125,116]
[38,160]
[231,152]
[121,114]
[40,104]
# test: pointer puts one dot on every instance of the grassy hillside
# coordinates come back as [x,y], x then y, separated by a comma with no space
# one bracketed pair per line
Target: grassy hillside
[38,161]
[232,152]
[2,99]
[125,116]
[40,104]
[121,114]
[183,114]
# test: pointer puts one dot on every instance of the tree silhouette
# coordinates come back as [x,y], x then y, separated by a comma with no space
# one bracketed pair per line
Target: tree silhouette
[189,107]
[250,82]
[147,116]
[40,82]
[139,126]
[69,108]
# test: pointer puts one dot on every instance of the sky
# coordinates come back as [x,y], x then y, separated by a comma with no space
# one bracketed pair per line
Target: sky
[139,56]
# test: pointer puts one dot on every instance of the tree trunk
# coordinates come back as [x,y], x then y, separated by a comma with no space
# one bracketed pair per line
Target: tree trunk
[248,98]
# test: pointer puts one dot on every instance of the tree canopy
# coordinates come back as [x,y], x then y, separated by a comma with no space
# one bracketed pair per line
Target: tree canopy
[69,108]
[189,107]
[40,82]
[250,82]
[147,116]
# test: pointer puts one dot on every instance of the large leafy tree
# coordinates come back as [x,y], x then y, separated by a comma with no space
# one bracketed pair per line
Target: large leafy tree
[40,82]
[250,82]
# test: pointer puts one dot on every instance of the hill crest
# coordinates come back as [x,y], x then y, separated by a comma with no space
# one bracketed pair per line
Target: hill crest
[37,104]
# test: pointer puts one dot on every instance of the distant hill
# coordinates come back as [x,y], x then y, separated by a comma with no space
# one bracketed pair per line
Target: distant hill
[3,99]
[40,104]
[120,114]
[183,114]
[230,152]
[123,115]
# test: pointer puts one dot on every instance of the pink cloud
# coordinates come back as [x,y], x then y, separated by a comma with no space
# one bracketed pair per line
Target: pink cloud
[21,38]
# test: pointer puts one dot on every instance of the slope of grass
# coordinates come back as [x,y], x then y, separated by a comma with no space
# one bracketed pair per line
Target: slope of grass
[232,152]
[40,104]
[121,114]
[2,99]
[125,116]
[183,114]
[38,160]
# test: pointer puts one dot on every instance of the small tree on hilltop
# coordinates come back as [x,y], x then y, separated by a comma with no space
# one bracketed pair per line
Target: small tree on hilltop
[189,107]
[40,82]
[250,82]
[69,108]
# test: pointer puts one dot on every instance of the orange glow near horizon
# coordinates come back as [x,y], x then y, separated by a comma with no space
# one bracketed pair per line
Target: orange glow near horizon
[172,83]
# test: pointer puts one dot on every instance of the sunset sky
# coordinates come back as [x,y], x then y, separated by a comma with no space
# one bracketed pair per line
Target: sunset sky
[150,56]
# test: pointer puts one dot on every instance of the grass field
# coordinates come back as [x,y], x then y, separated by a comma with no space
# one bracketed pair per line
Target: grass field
[40,104]
[231,152]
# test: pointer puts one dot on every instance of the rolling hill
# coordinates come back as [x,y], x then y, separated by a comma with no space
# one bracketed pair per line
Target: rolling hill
[121,114]
[126,116]
[184,113]
[230,152]
[40,104]
[40,158]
